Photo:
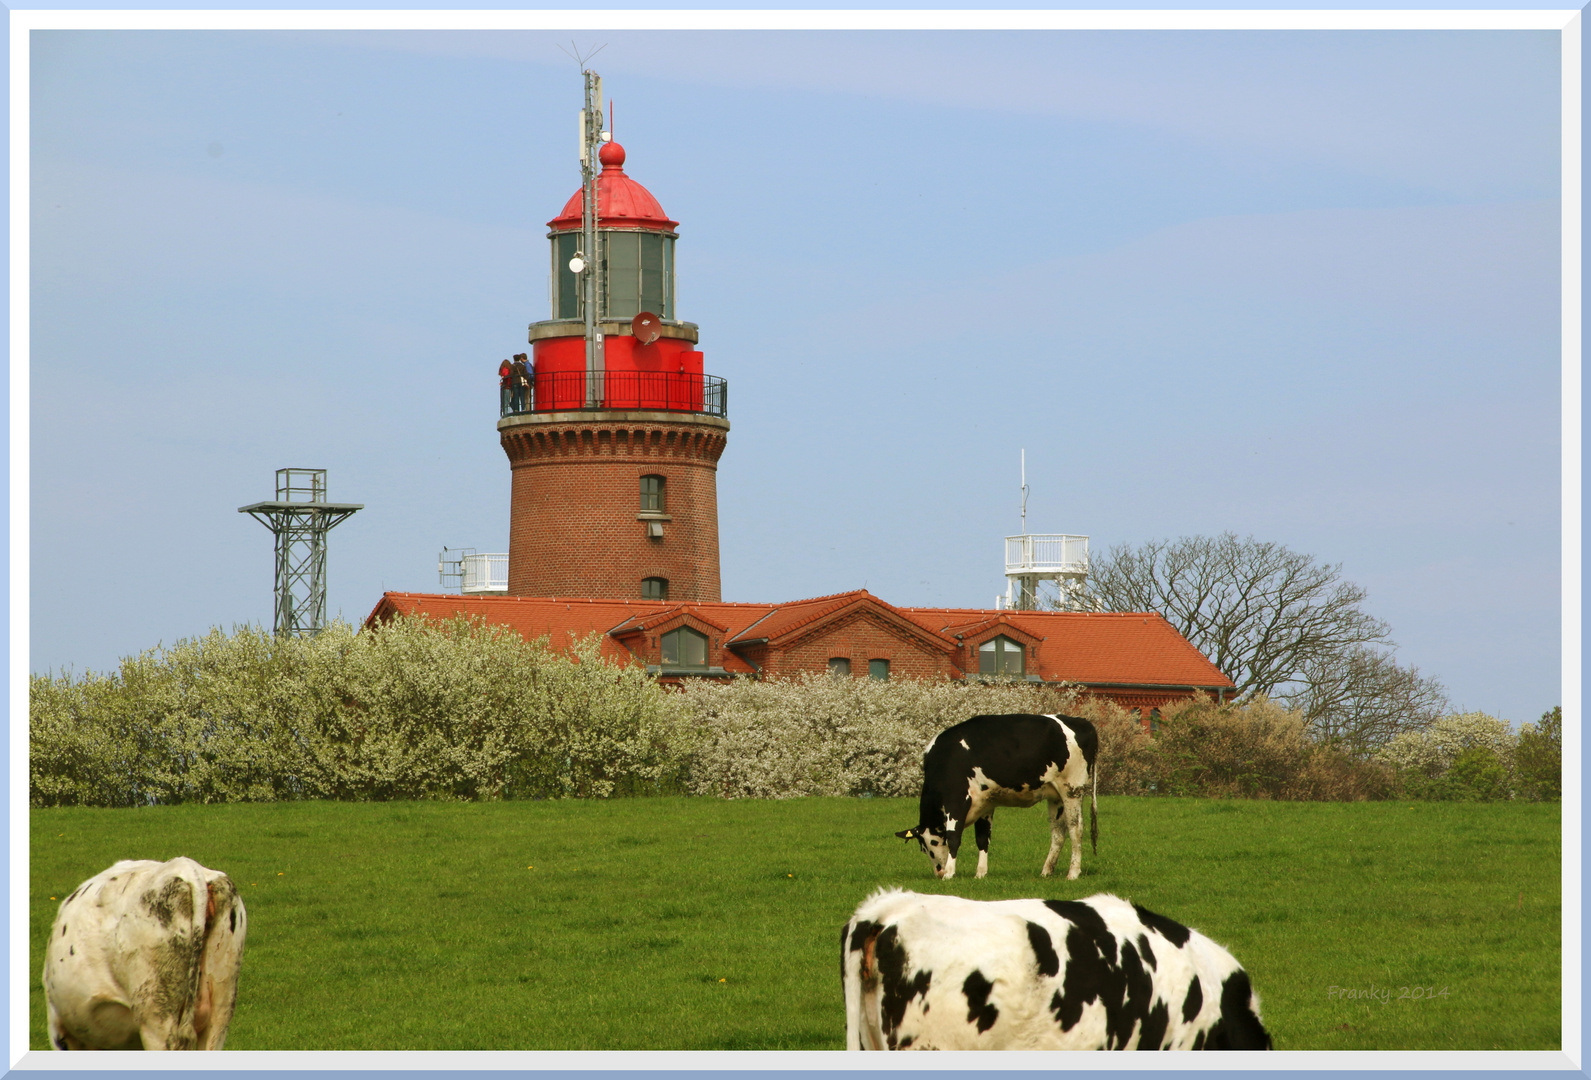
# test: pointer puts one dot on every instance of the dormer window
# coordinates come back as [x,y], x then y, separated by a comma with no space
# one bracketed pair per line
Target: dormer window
[684,648]
[1001,656]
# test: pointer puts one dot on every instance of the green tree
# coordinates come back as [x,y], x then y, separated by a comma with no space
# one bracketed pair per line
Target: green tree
[1479,774]
[1538,759]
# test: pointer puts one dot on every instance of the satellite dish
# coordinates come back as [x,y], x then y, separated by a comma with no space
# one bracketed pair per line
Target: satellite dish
[576,264]
[646,327]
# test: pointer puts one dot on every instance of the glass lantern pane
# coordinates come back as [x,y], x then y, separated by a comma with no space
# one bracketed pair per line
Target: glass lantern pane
[669,281]
[652,273]
[623,266]
[566,287]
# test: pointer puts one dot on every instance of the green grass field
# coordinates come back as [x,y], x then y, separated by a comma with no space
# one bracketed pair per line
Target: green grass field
[703,924]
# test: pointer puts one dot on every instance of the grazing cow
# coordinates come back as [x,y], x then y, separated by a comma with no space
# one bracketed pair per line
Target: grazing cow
[991,761]
[943,973]
[145,955]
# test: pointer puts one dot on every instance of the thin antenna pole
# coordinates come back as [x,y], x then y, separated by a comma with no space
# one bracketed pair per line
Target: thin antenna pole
[591,140]
[1024,492]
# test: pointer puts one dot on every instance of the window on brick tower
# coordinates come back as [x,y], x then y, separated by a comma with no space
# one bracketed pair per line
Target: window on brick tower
[654,588]
[685,648]
[653,493]
[839,665]
[1001,656]
[878,669]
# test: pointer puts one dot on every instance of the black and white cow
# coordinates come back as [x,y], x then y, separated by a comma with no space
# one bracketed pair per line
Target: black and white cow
[145,955]
[943,973]
[1015,760]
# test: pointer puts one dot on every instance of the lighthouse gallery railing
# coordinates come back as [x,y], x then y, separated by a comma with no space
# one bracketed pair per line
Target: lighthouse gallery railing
[662,391]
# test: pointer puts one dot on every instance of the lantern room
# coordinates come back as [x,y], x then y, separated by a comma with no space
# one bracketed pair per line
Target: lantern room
[646,357]
[635,248]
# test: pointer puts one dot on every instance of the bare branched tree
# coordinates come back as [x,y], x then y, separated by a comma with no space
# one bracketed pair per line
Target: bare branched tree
[1261,612]
[1359,699]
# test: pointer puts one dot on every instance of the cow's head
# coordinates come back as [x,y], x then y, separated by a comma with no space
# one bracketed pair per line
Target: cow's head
[940,843]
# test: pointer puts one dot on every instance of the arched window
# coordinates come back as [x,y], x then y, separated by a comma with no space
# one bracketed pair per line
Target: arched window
[685,648]
[878,669]
[654,588]
[839,665]
[654,495]
[1001,656]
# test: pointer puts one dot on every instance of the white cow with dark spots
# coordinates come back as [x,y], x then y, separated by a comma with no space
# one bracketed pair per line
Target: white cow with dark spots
[1015,760]
[943,973]
[145,956]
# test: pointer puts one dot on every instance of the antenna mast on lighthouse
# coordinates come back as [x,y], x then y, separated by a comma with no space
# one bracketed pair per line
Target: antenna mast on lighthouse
[592,136]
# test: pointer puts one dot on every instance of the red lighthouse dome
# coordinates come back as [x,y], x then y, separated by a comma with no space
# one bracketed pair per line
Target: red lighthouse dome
[621,202]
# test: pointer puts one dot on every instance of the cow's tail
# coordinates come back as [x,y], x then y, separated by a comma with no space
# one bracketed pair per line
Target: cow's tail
[859,978]
[1093,812]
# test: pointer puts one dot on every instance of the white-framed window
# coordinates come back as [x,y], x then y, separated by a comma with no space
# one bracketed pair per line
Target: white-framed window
[1001,656]
[654,493]
[684,648]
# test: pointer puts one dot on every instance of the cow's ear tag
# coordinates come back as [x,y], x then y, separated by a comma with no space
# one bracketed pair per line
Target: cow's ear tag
[907,834]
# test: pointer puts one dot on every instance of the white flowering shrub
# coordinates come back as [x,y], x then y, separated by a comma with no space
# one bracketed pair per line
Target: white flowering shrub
[600,729]
[1425,760]
[817,734]
[1432,752]
[419,709]
[211,719]
[410,709]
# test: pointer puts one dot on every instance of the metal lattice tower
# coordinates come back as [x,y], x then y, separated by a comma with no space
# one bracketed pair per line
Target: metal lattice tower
[300,517]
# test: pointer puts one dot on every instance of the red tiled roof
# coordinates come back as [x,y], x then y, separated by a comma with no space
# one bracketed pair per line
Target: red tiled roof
[1092,647]
[1110,649]
[564,620]
[785,619]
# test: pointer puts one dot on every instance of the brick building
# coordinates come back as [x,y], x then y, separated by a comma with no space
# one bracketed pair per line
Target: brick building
[1136,660]
[613,433]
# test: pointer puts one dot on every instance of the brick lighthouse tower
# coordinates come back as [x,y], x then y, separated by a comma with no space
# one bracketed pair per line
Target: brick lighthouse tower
[614,448]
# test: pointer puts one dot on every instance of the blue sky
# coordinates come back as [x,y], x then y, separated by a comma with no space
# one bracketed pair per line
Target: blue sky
[1299,285]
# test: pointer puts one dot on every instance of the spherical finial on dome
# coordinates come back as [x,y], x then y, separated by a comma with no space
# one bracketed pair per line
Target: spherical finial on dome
[611,155]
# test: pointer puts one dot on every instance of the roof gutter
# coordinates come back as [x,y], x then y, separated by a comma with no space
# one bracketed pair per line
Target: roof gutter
[1147,686]
[1222,693]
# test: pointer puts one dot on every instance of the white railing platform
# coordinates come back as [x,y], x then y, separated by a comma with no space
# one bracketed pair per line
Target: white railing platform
[485,573]
[1045,554]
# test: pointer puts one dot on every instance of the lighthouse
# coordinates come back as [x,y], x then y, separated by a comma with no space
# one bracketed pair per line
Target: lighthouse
[613,449]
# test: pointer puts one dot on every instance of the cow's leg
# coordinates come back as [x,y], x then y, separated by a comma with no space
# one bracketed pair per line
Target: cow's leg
[980,831]
[1072,805]
[1057,834]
